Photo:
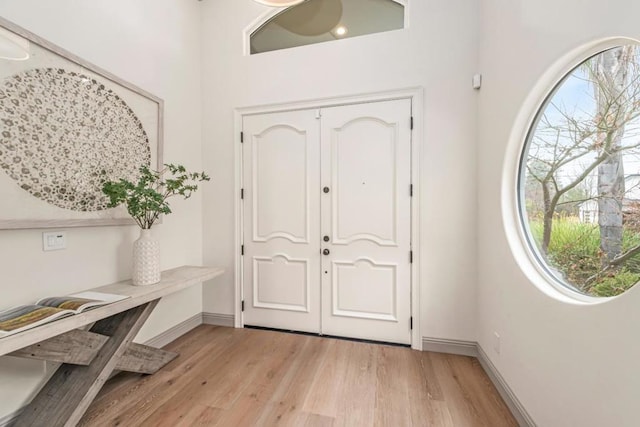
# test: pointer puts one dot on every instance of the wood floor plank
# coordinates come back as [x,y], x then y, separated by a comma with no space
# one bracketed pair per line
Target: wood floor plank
[469,375]
[315,420]
[152,391]
[243,377]
[439,415]
[205,417]
[295,386]
[215,382]
[197,338]
[244,412]
[283,400]
[286,416]
[269,370]
[125,382]
[196,416]
[325,393]
[247,367]
[423,387]
[461,408]
[361,381]
[120,389]
[392,391]
[429,376]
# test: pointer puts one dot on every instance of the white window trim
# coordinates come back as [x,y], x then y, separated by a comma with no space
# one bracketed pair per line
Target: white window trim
[513,227]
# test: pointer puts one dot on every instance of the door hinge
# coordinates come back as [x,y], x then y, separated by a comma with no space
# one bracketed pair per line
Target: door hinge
[241,137]
[410,257]
[242,193]
[411,323]
[410,190]
[242,306]
[411,121]
[242,250]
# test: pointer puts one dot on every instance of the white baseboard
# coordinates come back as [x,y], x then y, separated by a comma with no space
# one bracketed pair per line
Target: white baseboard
[218,319]
[175,332]
[473,349]
[439,345]
[517,409]
[8,419]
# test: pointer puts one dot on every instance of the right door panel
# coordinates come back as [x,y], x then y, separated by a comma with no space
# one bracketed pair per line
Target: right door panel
[366,221]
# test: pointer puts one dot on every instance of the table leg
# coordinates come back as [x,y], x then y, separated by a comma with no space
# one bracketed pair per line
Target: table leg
[79,347]
[67,395]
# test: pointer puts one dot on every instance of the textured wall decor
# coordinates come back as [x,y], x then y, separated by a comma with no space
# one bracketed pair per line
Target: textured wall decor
[65,127]
[63,133]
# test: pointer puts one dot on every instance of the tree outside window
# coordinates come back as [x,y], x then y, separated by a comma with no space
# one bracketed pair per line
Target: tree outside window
[580,176]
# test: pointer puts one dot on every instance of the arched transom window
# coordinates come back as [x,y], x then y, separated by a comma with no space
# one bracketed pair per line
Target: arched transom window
[318,21]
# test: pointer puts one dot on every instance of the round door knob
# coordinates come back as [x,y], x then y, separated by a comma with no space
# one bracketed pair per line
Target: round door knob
[325,189]
[326,252]
[325,238]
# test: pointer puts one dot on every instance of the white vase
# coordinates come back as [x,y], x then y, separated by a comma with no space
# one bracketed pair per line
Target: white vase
[146,259]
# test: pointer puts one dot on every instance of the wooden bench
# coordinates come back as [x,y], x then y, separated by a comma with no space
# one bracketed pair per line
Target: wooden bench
[89,357]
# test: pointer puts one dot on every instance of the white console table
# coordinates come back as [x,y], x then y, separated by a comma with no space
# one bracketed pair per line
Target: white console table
[89,357]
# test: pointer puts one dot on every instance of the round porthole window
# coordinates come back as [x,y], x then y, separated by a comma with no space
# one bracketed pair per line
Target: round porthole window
[579,179]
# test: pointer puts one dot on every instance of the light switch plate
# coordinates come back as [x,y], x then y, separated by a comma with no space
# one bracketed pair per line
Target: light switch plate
[54,240]
[476,81]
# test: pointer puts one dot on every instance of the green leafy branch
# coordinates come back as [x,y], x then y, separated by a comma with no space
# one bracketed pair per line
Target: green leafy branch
[146,199]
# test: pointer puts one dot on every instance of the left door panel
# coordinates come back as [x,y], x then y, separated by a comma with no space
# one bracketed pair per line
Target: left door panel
[281,180]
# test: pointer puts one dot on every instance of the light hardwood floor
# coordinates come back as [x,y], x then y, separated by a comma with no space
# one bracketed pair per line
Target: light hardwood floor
[246,377]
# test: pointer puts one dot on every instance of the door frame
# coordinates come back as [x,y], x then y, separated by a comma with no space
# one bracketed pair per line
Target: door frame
[415,94]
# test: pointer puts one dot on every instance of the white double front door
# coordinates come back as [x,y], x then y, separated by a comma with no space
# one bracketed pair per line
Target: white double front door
[327,220]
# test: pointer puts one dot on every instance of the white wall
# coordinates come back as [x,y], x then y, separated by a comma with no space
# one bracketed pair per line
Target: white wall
[437,52]
[154,44]
[570,365]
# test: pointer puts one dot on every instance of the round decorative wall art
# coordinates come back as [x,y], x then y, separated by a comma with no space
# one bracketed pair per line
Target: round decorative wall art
[63,133]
